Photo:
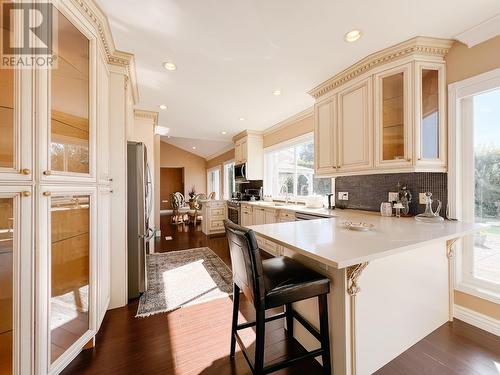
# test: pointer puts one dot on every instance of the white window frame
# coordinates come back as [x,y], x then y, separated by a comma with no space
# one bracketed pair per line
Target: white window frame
[225,193]
[308,137]
[216,168]
[461,177]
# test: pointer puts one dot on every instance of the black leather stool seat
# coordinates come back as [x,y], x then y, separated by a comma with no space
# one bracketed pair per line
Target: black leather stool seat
[288,281]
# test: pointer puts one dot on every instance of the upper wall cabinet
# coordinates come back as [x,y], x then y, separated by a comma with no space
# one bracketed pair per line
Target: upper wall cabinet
[325,134]
[249,149]
[15,124]
[355,127]
[68,140]
[389,115]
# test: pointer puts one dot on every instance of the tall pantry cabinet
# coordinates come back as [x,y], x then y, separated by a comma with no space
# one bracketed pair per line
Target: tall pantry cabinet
[56,194]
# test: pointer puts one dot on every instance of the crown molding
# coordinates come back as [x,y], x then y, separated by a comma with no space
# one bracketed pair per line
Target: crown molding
[422,47]
[480,33]
[146,115]
[246,133]
[126,60]
[222,151]
[308,112]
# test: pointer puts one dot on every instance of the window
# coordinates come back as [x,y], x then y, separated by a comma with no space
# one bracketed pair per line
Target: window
[213,182]
[229,184]
[475,106]
[290,171]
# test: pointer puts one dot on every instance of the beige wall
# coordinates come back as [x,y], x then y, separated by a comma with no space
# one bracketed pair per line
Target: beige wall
[461,63]
[293,130]
[195,167]
[221,159]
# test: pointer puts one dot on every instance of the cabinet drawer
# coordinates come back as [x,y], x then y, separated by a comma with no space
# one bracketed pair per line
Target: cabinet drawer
[287,216]
[261,242]
[216,225]
[217,205]
[217,211]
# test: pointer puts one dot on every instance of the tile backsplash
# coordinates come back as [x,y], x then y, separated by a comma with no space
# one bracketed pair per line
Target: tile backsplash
[367,192]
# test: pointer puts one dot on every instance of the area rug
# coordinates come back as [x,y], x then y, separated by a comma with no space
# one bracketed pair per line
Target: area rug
[183,278]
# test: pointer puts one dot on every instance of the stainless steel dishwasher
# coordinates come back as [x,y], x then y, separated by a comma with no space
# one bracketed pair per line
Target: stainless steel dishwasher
[299,216]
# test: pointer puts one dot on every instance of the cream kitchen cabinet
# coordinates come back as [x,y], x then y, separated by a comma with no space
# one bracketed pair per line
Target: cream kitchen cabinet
[16,280]
[355,127]
[266,215]
[286,216]
[393,122]
[241,151]
[246,215]
[214,213]
[16,141]
[249,150]
[55,287]
[325,136]
[384,114]
[259,216]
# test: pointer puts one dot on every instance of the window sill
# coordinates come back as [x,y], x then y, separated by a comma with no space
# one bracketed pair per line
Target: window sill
[478,291]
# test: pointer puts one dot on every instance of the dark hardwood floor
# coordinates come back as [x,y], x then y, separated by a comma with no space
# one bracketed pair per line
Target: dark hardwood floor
[195,339]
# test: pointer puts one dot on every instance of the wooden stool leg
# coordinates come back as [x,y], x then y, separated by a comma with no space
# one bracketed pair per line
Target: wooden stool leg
[236,306]
[325,333]
[260,332]
[289,319]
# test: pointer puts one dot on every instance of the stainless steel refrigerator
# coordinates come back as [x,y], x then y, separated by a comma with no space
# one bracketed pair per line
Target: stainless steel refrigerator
[139,200]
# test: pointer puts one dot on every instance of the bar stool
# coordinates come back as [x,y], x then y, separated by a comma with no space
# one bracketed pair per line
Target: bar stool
[272,283]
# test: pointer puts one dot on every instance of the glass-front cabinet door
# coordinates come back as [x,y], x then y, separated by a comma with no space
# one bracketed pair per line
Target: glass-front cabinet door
[15,280]
[67,253]
[69,140]
[429,112]
[392,116]
[15,124]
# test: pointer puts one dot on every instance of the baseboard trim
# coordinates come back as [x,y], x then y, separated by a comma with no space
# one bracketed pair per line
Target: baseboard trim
[476,319]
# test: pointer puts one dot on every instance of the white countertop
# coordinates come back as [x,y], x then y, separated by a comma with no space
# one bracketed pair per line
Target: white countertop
[329,242]
[294,208]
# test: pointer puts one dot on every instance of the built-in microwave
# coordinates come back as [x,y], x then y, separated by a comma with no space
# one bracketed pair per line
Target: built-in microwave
[240,172]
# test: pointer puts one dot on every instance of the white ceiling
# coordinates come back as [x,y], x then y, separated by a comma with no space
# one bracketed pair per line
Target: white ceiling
[204,148]
[231,54]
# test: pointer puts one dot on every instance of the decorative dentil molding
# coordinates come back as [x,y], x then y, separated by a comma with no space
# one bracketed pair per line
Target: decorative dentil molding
[419,46]
[146,115]
[353,274]
[115,57]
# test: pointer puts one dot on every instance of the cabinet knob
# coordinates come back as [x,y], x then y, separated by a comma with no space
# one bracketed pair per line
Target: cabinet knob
[47,173]
[25,193]
[26,171]
[110,179]
[409,159]
[47,193]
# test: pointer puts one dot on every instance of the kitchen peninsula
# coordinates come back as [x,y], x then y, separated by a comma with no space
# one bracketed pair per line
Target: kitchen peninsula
[391,286]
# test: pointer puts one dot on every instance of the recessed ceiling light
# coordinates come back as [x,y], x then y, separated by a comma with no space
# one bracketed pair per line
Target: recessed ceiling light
[161,130]
[223,132]
[163,107]
[194,147]
[169,65]
[353,35]
[277,92]
[242,119]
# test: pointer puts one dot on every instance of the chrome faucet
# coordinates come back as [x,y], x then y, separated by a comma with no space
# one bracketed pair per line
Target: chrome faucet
[284,188]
